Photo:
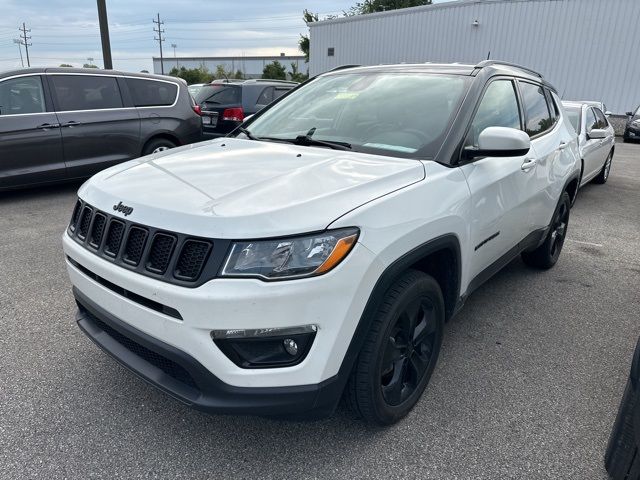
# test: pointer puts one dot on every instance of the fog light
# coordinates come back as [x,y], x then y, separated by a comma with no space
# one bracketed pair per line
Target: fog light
[266,347]
[290,346]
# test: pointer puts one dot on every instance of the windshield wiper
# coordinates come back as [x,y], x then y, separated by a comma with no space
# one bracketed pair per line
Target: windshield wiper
[308,141]
[248,134]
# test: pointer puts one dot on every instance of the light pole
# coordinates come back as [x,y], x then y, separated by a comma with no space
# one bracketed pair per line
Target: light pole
[174,46]
[90,60]
[19,42]
[104,35]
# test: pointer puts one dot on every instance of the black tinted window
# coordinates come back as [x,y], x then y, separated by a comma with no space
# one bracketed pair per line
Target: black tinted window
[498,108]
[278,92]
[219,95]
[266,97]
[536,109]
[86,92]
[148,93]
[21,95]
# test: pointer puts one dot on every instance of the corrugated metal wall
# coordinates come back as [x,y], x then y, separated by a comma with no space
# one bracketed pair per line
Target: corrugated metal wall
[589,49]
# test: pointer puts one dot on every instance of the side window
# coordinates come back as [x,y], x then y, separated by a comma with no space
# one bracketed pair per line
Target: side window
[498,108]
[21,95]
[601,119]
[266,97]
[553,107]
[591,121]
[86,92]
[278,92]
[150,93]
[538,118]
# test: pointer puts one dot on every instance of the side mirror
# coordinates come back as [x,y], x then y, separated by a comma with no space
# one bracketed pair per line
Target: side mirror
[630,114]
[500,142]
[607,113]
[596,133]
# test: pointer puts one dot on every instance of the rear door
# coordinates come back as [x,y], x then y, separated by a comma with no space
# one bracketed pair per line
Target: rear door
[98,129]
[29,133]
[500,188]
[591,151]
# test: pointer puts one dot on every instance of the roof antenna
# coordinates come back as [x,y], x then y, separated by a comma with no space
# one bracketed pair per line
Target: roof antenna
[489,55]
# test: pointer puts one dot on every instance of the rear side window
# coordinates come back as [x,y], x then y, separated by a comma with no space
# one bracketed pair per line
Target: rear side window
[591,120]
[219,95]
[151,93]
[538,118]
[278,92]
[601,119]
[86,92]
[498,108]
[266,97]
[21,95]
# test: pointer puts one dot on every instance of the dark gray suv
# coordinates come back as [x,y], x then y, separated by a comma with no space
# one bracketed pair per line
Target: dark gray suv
[226,103]
[62,123]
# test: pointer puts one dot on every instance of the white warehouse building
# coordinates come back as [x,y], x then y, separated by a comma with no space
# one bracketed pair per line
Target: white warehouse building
[588,49]
[250,66]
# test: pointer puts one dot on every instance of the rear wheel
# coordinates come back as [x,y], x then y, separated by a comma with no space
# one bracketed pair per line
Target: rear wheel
[157,145]
[603,176]
[400,352]
[547,254]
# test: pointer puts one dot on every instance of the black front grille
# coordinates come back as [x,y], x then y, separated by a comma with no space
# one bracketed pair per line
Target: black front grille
[85,221]
[191,259]
[160,252]
[135,245]
[169,367]
[114,238]
[168,256]
[97,231]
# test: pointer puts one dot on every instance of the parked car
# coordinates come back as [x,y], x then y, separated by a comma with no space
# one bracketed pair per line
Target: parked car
[61,123]
[319,251]
[194,88]
[596,141]
[226,103]
[622,458]
[600,105]
[632,129]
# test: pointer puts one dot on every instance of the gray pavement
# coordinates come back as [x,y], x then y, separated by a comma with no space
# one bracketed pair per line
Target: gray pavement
[527,385]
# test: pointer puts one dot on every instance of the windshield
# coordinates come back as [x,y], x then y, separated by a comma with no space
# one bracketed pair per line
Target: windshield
[397,114]
[574,117]
[219,95]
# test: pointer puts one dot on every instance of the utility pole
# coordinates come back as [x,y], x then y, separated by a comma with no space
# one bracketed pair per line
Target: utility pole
[104,35]
[25,41]
[19,42]
[174,46]
[160,39]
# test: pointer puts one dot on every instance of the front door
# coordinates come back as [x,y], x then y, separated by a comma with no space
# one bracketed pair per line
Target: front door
[30,139]
[98,131]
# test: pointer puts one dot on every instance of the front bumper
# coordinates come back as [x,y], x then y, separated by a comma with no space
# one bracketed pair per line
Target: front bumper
[184,378]
[632,132]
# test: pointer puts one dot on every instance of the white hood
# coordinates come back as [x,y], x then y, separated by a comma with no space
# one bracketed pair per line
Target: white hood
[231,188]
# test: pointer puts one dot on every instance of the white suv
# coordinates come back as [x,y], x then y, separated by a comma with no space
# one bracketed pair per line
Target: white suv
[320,249]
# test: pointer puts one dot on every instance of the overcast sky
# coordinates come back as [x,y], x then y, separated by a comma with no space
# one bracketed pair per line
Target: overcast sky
[66,31]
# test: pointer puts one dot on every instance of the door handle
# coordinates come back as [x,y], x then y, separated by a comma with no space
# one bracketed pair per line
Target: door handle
[563,145]
[528,163]
[72,123]
[47,126]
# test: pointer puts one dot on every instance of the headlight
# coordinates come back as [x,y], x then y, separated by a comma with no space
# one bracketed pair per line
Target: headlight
[294,257]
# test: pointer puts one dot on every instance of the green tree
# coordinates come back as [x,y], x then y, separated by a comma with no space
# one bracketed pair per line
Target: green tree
[239,75]
[221,72]
[373,6]
[295,75]
[192,75]
[144,71]
[275,71]
[89,65]
[66,65]
[303,43]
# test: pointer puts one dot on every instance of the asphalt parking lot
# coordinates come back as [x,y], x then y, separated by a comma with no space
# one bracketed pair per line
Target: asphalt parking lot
[527,386]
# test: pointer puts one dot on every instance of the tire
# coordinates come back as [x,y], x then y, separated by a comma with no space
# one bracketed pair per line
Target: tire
[603,176]
[547,254]
[622,459]
[157,145]
[400,351]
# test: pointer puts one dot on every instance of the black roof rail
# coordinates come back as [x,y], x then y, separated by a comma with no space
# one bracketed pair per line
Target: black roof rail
[342,67]
[489,63]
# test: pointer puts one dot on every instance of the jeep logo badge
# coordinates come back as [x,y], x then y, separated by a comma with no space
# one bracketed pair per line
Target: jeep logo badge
[123,208]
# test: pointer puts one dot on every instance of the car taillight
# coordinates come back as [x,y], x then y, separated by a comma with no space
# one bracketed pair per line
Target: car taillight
[197,109]
[233,114]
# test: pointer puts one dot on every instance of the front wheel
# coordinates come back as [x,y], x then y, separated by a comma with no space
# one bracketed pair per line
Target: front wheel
[603,176]
[400,351]
[157,145]
[547,254]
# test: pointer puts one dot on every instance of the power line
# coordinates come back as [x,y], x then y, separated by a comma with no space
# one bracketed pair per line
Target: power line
[160,39]
[25,41]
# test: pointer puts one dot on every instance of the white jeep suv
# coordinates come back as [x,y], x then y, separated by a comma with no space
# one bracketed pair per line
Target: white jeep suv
[319,250]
